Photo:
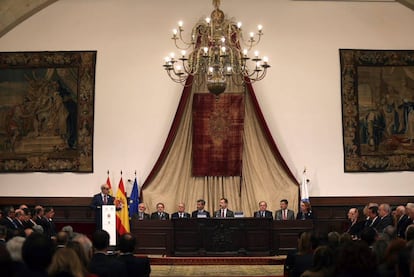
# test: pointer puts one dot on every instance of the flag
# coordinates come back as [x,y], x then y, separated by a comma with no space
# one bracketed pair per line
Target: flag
[108,182]
[134,200]
[122,217]
[304,194]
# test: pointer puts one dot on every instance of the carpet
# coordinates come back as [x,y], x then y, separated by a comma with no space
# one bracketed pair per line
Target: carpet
[217,270]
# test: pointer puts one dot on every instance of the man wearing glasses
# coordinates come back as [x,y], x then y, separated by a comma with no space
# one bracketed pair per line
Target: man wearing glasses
[102,198]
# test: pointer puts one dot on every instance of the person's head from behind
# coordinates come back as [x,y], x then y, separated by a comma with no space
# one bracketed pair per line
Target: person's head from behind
[86,244]
[14,246]
[305,243]
[323,257]
[66,262]
[127,243]
[37,251]
[368,235]
[100,240]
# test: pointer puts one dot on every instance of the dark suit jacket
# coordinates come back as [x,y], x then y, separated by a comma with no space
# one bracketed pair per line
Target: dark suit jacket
[308,215]
[143,217]
[384,222]
[96,205]
[290,215]
[374,222]
[107,266]
[194,214]
[176,215]
[229,213]
[164,216]
[136,266]
[268,214]
[356,228]
[401,226]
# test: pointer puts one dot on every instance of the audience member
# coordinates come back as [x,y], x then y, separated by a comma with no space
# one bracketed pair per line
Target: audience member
[65,262]
[101,263]
[181,213]
[369,235]
[263,212]
[356,225]
[298,262]
[400,219]
[305,211]
[62,239]
[323,263]
[355,259]
[3,235]
[385,218]
[373,218]
[200,212]
[136,266]
[14,246]
[141,215]
[388,268]
[87,248]
[6,263]
[224,211]
[50,229]
[284,213]
[37,252]
[160,213]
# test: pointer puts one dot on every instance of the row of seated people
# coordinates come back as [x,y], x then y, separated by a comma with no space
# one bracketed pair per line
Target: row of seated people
[70,254]
[379,217]
[341,255]
[26,220]
[284,213]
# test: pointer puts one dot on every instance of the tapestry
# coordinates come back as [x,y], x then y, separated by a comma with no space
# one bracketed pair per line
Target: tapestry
[217,134]
[47,111]
[377,110]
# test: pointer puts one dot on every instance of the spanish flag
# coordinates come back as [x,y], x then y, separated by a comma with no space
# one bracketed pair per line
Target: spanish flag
[122,217]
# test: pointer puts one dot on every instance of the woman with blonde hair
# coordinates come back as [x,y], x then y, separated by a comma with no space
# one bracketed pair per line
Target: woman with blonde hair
[65,262]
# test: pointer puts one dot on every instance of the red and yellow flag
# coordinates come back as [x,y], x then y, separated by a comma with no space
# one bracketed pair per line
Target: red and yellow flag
[108,182]
[122,217]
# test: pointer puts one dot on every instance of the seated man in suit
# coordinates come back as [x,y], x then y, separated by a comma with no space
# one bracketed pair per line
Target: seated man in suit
[284,213]
[160,213]
[181,213]
[355,225]
[224,211]
[141,215]
[99,199]
[386,219]
[200,212]
[263,212]
[101,263]
[136,266]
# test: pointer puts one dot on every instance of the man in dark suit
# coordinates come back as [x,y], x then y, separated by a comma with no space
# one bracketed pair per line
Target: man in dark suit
[355,225]
[136,266]
[101,263]
[141,215]
[160,213]
[284,213]
[99,199]
[384,212]
[200,212]
[263,212]
[181,213]
[373,217]
[224,212]
[401,218]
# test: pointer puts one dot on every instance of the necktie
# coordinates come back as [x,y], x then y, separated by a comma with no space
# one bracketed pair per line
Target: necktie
[262,214]
[181,215]
[284,215]
[222,213]
[105,199]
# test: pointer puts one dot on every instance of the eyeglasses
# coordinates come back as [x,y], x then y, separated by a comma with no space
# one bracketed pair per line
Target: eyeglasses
[105,188]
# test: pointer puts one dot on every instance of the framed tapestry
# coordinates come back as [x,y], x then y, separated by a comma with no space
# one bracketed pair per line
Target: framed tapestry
[47,111]
[377,89]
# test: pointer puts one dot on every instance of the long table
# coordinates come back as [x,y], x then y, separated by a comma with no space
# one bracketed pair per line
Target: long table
[218,237]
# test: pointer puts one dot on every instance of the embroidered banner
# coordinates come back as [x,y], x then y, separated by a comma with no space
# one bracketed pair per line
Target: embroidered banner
[217,134]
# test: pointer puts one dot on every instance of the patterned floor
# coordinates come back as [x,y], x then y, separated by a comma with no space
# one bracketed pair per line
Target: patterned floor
[216,270]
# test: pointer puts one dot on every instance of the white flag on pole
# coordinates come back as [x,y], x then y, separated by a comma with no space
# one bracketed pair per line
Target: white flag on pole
[304,194]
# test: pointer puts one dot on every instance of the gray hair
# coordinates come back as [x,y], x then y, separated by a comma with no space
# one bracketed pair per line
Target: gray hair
[14,246]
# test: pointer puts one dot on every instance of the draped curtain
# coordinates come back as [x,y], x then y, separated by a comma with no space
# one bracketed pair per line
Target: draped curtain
[265,175]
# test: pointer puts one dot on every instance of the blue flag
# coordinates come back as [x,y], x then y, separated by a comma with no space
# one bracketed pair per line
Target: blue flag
[134,200]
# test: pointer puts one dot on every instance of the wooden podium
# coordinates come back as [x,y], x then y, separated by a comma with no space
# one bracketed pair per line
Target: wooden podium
[218,237]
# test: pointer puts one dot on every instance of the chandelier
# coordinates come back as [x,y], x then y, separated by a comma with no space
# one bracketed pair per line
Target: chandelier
[216,53]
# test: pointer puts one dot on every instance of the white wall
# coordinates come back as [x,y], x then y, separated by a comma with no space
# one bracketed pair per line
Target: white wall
[135,101]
